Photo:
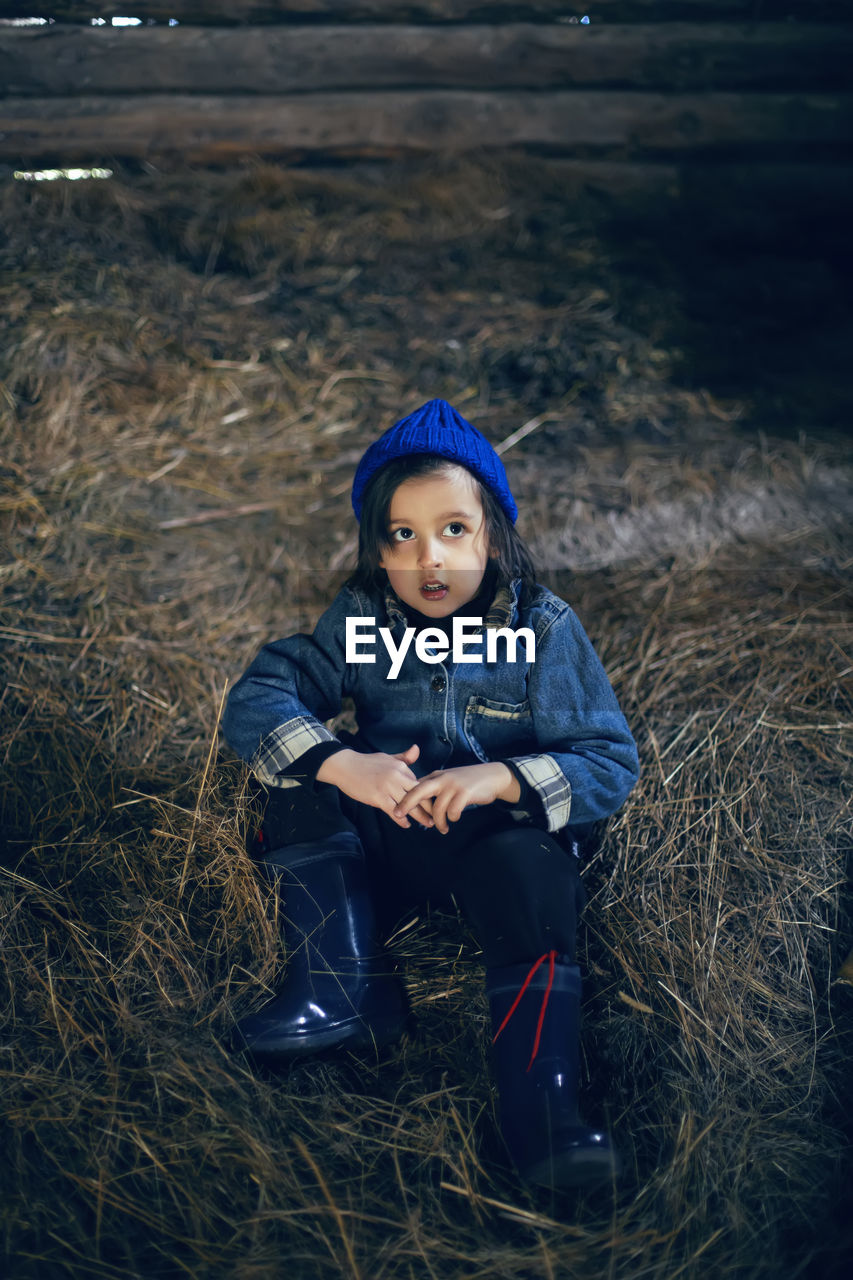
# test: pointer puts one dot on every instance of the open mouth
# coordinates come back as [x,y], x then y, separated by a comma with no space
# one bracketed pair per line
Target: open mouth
[433,590]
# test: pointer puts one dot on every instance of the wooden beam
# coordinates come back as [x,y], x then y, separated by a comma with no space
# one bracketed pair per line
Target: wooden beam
[234,12]
[216,129]
[65,60]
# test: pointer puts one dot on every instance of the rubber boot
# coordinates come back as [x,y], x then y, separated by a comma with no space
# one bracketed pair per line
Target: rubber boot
[535,1013]
[338,989]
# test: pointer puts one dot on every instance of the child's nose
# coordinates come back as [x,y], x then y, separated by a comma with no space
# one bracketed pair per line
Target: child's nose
[430,557]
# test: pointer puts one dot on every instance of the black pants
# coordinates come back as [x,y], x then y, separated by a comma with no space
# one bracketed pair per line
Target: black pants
[518,886]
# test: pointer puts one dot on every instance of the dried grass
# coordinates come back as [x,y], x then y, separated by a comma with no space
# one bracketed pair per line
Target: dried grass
[191,365]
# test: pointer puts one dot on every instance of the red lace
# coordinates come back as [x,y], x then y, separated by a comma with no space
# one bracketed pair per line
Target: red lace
[551,957]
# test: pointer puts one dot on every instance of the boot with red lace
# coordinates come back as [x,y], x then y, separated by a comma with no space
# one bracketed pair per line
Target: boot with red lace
[535,1012]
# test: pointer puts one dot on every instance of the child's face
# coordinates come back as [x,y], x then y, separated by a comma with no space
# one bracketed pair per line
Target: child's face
[438,545]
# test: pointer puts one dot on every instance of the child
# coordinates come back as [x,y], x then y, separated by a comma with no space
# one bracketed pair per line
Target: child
[483,748]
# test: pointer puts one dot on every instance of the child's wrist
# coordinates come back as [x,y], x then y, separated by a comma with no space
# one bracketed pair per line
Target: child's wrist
[330,769]
[511,793]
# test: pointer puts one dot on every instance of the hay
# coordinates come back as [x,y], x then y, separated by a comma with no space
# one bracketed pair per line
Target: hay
[191,365]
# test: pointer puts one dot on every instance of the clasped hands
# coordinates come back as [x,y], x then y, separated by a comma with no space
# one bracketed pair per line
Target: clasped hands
[387,782]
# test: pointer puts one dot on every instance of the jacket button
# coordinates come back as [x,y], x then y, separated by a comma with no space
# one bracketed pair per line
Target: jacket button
[438,683]
[445,742]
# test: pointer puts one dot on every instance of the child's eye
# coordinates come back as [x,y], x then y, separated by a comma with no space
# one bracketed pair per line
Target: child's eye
[455,529]
[402,535]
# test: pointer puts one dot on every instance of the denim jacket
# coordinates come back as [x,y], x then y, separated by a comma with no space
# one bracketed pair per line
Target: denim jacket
[554,720]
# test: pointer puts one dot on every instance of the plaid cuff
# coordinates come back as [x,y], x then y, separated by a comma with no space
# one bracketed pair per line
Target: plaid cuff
[550,784]
[283,746]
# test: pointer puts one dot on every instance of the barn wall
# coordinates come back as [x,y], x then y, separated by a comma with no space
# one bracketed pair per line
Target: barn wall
[640,95]
[395,11]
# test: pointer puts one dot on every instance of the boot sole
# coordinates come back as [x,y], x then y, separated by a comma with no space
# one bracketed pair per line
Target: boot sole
[575,1168]
[358,1034]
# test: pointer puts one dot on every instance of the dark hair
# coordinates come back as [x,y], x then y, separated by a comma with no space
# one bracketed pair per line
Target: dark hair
[509,554]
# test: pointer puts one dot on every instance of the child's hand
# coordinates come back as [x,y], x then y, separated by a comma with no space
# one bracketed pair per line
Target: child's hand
[379,780]
[448,791]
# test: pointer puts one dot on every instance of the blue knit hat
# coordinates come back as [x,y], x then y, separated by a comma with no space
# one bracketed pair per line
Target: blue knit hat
[436,428]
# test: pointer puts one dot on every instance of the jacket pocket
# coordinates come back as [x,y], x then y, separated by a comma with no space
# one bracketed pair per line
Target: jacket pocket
[495,730]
